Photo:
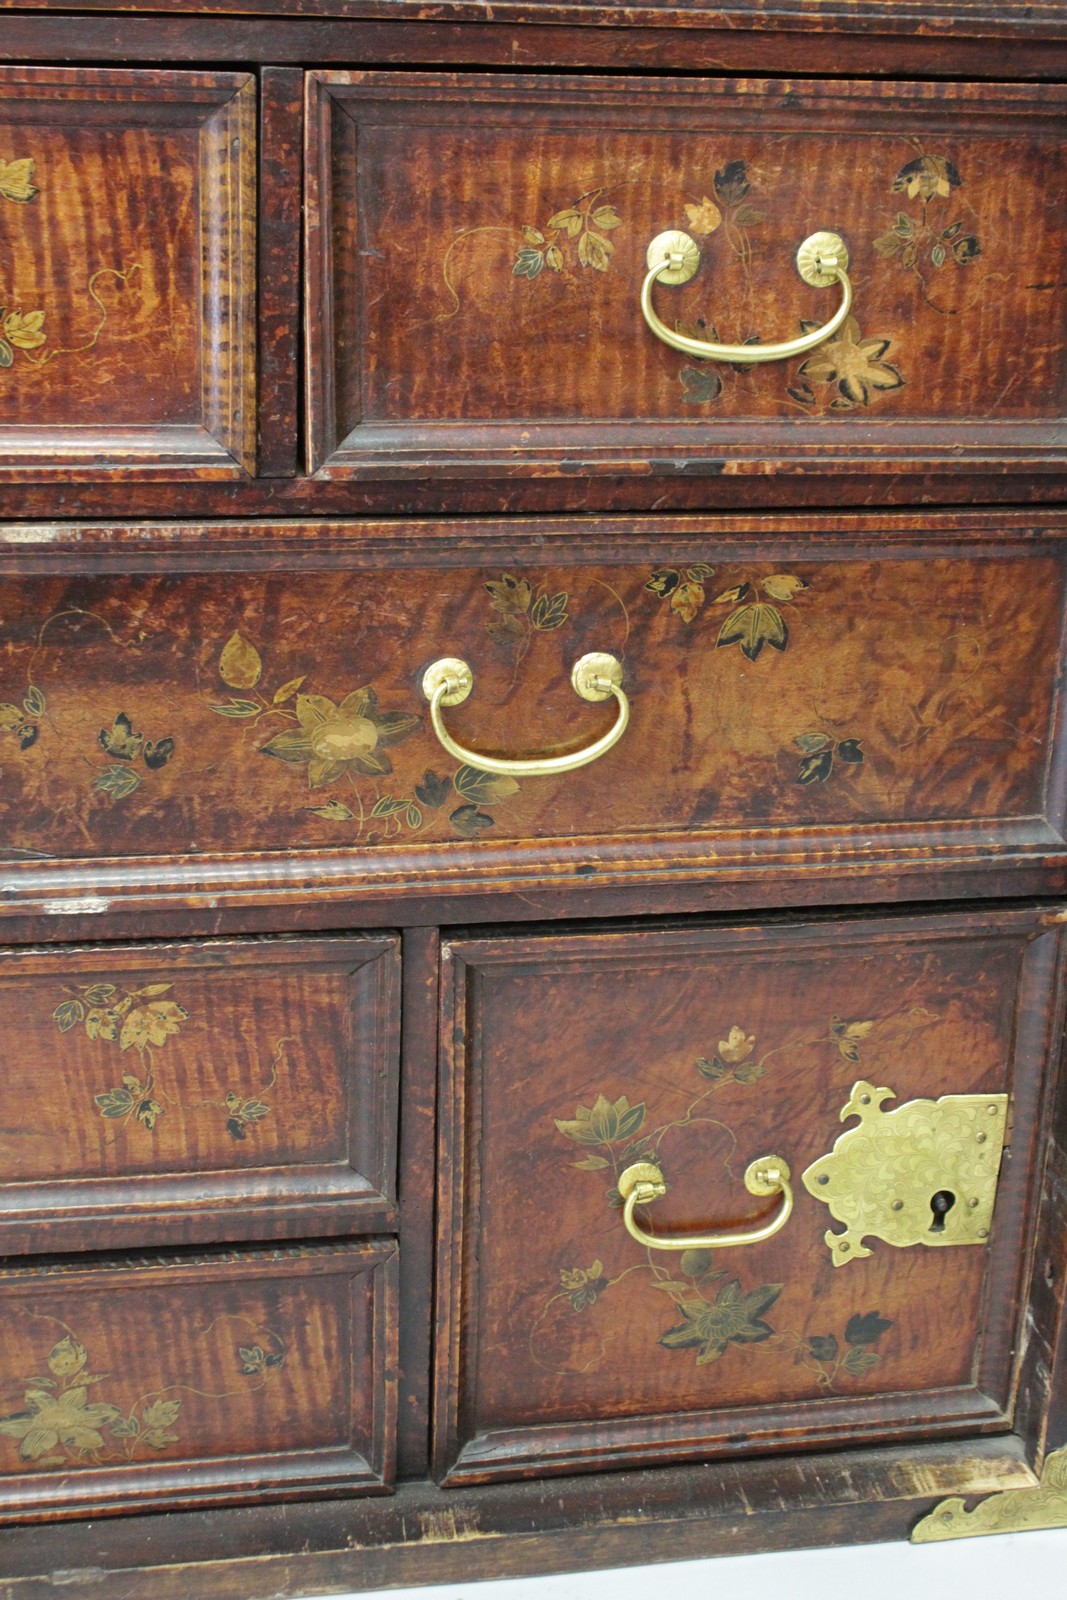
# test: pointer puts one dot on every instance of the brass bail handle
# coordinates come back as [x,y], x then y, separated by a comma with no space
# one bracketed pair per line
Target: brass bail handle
[642,1183]
[595,677]
[673,258]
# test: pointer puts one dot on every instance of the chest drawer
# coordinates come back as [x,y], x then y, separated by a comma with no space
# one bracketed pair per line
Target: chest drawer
[240,1089]
[477,249]
[184,1381]
[128,286]
[257,691]
[573,1060]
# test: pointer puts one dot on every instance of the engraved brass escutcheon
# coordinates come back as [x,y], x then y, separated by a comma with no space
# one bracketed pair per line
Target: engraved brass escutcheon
[924,1173]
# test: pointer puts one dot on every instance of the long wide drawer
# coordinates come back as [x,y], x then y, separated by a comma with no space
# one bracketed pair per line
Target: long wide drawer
[180,1092]
[215,706]
[878,1064]
[478,248]
[176,1381]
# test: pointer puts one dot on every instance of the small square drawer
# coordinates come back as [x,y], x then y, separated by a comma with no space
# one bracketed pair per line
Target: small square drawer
[837,1124]
[178,1382]
[128,286]
[220,1089]
[479,249]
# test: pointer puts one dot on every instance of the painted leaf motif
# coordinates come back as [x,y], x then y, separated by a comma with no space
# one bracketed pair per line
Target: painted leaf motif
[731,183]
[240,663]
[705,217]
[25,329]
[851,751]
[702,385]
[816,768]
[120,739]
[528,263]
[595,251]
[236,708]
[823,1346]
[152,1024]
[433,791]
[67,1357]
[591,1164]
[752,627]
[509,594]
[664,581]
[289,745]
[554,258]
[333,811]
[117,782]
[10,717]
[866,1329]
[68,1015]
[16,180]
[288,689]
[687,600]
[157,752]
[549,611]
[860,1360]
[604,1122]
[731,597]
[115,1103]
[783,586]
[483,788]
[388,807]
[569,221]
[713,1069]
[34,701]
[812,743]
[749,216]
[533,236]
[606,217]
[469,822]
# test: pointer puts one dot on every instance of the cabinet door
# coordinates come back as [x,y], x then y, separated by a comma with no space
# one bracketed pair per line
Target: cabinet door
[127,200]
[567,1344]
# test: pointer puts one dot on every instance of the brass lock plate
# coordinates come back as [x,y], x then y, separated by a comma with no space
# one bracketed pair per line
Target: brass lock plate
[924,1173]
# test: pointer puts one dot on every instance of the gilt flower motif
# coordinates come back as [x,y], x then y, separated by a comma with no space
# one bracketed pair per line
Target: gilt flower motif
[338,738]
[854,365]
[66,1420]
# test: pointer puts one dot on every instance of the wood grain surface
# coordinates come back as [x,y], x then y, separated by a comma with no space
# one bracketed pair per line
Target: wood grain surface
[568,1345]
[204,1091]
[191,1380]
[476,247]
[128,213]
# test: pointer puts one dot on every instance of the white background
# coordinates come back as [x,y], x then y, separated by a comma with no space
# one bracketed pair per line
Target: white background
[1021,1566]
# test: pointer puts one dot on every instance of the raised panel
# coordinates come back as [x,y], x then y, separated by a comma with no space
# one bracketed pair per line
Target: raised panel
[568,1345]
[240,1089]
[887,687]
[128,338]
[477,245]
[180,1381]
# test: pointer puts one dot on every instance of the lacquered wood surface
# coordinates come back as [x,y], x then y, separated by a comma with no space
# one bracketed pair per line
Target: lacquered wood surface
[197,1091]
[129,227]
[193,1380]
[801,686]
[569,1344]
[474,271]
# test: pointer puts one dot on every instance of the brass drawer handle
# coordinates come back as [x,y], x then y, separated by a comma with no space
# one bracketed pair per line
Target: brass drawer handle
[595,677]
[642,1183]
[673,258]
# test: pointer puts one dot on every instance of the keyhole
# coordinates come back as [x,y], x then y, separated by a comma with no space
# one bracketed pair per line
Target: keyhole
[941,1205]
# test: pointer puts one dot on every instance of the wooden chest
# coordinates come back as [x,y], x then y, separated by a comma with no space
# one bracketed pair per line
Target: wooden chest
[533,786]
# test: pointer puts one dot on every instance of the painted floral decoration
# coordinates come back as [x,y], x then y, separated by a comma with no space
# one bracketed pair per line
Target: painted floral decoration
[338,738]
[852,364]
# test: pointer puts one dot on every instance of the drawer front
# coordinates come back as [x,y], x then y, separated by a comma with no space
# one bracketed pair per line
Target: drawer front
[238,1089]
[128,204]
[477,247]
[887,687]
[173,1382]
[567,1344]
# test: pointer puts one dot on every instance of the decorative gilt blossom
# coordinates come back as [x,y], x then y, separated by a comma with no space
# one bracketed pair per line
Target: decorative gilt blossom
[926,177]
[335,739]
[854,365]
[66,1420]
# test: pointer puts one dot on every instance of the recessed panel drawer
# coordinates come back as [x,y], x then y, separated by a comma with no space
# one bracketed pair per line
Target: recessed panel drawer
[154,1383]
[128,287]
[880,685]
[220,1089]
[478,246]
[698,1058]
